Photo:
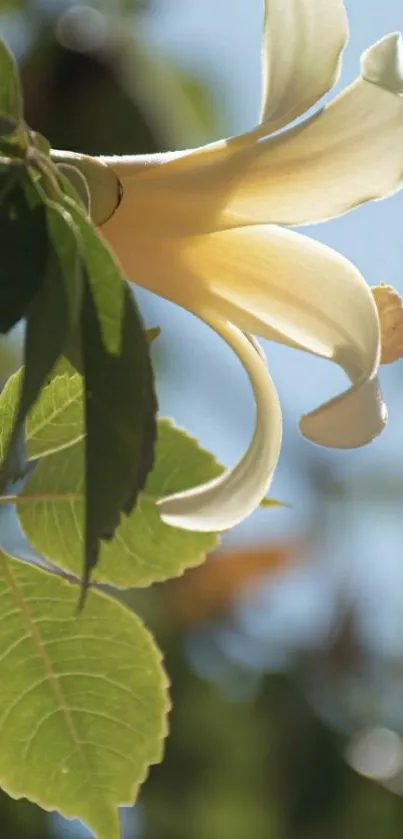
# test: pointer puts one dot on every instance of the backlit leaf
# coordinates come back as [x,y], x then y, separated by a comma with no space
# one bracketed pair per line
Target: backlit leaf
[56,419]
[83,700]
[144,549]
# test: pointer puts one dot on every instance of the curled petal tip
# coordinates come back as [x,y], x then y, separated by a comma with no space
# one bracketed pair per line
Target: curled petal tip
[352,419]
[382,64]
[225,501]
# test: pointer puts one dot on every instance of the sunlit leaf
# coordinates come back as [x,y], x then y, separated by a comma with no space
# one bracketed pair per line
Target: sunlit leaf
[56,420]
[144,549]
[83,700]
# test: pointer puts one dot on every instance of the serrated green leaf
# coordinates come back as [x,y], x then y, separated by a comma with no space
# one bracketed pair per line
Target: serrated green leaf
[51,313]
[83,701]
[56,420]
[10,93]
[144,549]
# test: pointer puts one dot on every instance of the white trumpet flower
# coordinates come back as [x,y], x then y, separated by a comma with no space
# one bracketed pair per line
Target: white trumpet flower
[207,229]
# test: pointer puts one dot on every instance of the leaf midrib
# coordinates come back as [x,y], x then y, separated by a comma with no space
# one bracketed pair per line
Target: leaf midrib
[46,661]
[49,418]
[61,498]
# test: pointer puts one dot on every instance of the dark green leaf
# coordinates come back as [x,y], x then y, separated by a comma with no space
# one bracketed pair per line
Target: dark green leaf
[49,317]
[23,244]
[120,403]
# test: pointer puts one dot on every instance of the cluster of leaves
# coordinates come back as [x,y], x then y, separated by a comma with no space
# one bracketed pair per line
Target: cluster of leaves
[84,699]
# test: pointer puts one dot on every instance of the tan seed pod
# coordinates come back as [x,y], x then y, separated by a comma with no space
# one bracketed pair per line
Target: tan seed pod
[390,310]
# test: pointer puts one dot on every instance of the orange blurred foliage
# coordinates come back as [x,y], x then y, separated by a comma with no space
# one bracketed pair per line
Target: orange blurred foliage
[208,591]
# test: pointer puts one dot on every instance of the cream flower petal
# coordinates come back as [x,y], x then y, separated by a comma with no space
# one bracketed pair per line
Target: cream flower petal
[302,43]
[225,501]
[382,64]
[350,420]
[348,153]
[282,286]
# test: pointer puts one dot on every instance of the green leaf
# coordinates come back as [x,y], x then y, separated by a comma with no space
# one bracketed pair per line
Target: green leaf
[65,366]
[51,313]
[273,502]
[23,244]
[83,701]
[153,333]
[144,549]
[56,420]
[120,402]
[76,185]
[10,93]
